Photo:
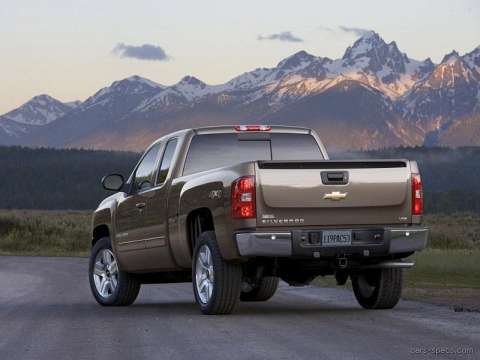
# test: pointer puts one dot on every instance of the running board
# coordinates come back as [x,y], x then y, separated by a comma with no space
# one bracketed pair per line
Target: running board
[390,265]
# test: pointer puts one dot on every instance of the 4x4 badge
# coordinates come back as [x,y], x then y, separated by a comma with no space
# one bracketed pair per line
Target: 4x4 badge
[335,196]
[215,194]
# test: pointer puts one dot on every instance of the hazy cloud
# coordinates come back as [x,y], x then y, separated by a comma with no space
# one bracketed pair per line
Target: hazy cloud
[283,36]
[326,28]
[354,30]
[142,52]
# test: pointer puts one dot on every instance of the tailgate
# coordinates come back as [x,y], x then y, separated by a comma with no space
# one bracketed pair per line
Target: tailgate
[314,193]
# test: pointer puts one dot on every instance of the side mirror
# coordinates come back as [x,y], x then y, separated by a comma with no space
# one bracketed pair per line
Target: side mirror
[113,182]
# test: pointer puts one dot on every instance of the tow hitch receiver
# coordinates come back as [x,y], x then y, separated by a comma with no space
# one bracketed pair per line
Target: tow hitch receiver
[342,261]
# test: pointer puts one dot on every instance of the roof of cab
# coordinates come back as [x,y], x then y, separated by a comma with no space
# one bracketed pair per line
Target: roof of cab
[232,128]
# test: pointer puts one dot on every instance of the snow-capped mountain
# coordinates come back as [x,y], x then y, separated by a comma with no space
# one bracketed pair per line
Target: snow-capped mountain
[40,110]
[11,131]
[381,65]
[374,93]
[473,59]
[369,60]
[189,89]
[449,92]
[134,87]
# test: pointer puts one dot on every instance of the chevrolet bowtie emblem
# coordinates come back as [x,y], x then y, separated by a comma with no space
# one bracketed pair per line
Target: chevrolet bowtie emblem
[335,196]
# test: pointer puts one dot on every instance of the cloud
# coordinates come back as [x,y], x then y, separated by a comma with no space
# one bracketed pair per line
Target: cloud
[283,36]
[325,28]
[142,52]
[354,30]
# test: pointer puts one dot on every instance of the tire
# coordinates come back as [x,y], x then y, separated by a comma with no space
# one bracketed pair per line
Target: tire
[120,288]
[216,282]
[264,291]
[379,288]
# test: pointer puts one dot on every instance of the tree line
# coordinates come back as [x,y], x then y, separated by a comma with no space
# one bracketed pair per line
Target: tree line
[70,178]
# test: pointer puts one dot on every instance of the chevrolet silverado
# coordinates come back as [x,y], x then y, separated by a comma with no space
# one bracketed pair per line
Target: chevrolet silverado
[233,209]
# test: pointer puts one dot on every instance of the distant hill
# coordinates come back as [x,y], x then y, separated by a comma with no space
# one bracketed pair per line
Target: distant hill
[70,179]
[374,96]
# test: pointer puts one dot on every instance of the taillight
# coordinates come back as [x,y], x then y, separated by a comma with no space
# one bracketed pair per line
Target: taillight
[417,195]
[243,198]
[253,128]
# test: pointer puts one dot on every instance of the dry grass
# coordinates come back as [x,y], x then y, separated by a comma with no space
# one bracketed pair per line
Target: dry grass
[52,233]
[450,261]
[457,231]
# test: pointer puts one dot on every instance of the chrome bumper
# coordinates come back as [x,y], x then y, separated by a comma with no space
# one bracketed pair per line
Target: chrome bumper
[407,240]
[264,244]
[281,244]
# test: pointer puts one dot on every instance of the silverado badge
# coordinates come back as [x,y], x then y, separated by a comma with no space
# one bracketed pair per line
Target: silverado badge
[335,196]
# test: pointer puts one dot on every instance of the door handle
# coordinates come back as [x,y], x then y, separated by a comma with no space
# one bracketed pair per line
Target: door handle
[140,206]
[334,177]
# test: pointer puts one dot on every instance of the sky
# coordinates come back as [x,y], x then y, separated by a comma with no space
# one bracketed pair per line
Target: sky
[70,49]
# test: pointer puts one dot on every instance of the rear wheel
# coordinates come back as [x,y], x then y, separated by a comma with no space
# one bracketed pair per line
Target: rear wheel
[216,282]
[110,286]
[379,288]
[265,289]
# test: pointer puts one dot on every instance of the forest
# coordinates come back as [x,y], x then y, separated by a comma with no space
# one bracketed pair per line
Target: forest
[55,179]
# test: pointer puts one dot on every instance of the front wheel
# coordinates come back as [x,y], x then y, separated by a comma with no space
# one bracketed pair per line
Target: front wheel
[379,288]
[110,286]
[216,282]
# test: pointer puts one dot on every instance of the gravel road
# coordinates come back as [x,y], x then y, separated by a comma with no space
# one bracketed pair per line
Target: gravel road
[47,312]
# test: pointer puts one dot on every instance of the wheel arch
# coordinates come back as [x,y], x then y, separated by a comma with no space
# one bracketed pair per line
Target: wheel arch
[198,220]
[100,231]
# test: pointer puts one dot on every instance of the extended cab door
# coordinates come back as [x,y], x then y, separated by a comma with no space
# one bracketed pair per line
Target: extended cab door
[130,214]
[155,227]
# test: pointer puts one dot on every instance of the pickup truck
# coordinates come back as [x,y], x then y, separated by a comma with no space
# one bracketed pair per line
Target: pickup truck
[233,209]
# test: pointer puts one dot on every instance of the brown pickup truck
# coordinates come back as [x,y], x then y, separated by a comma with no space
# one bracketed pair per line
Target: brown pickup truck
[233,209]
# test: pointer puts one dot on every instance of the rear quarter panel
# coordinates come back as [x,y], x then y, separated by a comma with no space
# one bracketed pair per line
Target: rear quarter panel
[193,192]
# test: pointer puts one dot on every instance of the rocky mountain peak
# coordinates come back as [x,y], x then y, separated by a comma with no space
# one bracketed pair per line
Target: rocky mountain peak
[371,53]
[364,45]
[451,57]
[192,81]
[39,110]
[295,61]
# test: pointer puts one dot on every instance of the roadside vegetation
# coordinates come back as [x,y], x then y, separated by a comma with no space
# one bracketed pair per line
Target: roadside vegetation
[448,271]
[44,233]
[452,257]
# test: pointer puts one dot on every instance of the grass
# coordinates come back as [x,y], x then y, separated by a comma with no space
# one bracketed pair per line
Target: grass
[445,269]
[448,268]
[456,231]
[44,233]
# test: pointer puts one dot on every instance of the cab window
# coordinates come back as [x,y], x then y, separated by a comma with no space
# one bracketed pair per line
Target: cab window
[166,161]
[143,176]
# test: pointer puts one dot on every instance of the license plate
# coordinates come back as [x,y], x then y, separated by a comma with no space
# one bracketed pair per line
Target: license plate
[336,238]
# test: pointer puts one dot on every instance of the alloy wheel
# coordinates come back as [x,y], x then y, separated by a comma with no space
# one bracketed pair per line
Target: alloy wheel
[204,274]
[105,273]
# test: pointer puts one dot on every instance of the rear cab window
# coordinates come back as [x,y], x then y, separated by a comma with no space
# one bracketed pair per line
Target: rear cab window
[166,161]
[210,151]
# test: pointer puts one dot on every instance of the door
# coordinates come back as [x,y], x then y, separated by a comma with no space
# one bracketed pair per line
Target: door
[156,215]
[130,215]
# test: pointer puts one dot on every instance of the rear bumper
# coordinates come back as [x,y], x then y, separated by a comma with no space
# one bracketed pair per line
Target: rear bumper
[294,244]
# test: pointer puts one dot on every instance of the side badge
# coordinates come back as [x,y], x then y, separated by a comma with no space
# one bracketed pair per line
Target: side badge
[215,194]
